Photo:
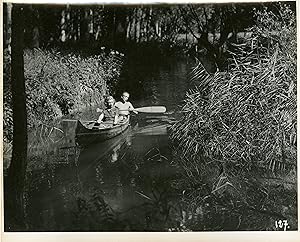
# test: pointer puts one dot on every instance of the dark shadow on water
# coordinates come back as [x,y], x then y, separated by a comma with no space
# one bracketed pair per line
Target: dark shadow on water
[122,184]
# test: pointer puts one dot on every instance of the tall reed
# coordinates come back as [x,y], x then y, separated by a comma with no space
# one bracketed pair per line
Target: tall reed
[246,116]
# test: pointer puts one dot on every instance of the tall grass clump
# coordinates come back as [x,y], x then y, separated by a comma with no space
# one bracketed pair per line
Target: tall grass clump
[58,84]
[246,117]
[236,138]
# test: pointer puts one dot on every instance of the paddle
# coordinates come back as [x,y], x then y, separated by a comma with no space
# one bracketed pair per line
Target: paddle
[150,109]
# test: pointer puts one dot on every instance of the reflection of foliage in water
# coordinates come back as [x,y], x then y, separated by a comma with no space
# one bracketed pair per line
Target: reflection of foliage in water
[62,203]
[47,143]
[52,144]
[51,152]
[144,177]
[153,179]
[94,214]
[215,198]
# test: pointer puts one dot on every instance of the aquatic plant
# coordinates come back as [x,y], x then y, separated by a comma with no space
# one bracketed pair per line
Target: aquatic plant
[246,116]
[94,214]
[236,138]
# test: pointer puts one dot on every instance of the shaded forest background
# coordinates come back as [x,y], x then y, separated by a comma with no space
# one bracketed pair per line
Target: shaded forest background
[88,27]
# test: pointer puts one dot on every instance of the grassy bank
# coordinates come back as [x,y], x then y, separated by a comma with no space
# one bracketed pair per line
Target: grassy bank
[237,132]
[57,85]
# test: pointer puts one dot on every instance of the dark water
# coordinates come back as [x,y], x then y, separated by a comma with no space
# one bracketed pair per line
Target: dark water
[123,184]
[133,182]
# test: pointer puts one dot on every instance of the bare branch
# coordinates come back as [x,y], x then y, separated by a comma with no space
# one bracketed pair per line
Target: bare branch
[198,21]
[187,23]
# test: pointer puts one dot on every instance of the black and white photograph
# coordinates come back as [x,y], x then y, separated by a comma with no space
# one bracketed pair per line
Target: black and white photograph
[150,117]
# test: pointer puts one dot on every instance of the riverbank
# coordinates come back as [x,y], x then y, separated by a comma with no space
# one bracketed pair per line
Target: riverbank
[58,85]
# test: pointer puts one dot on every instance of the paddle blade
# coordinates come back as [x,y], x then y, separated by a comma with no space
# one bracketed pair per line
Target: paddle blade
[152,109]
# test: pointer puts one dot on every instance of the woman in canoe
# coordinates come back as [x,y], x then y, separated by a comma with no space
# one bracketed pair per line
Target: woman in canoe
[111,113]
[124,106]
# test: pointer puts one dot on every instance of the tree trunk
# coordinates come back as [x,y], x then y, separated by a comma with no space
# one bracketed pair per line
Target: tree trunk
[35,37]
[84,21]
[17,169]
[76,24]
[156,28]
[144,24]
[35,33]
[149,35]
[138,26]
[63,26]
[134,24]
[120,26]
[91,22]
[7,32]
[141,25]
[128,35]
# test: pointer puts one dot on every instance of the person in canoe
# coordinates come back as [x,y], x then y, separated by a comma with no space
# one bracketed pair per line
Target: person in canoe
[110,114]
[124,106]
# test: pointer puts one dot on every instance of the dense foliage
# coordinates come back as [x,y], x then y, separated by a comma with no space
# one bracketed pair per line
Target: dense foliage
[236,138]
[117,25]
[58,84]
[246,117]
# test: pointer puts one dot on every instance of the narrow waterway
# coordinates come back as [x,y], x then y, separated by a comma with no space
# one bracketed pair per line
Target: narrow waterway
[123,184]
[134,182]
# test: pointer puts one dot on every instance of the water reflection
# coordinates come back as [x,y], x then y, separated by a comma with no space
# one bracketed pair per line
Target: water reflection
[124,163]
[122,184]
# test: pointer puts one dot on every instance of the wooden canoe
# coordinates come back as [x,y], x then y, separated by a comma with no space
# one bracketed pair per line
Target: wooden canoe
[88,132]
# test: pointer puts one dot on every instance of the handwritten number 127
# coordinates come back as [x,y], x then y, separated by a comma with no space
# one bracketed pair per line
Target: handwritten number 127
[282,224]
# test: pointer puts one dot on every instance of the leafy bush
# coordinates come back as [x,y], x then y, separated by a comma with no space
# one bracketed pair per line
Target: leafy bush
[59,84]
[246,117]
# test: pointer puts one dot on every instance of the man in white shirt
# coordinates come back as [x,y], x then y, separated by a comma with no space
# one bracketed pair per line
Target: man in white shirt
[124,106]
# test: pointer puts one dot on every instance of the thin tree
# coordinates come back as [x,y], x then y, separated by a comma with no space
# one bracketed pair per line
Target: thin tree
[16,173]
